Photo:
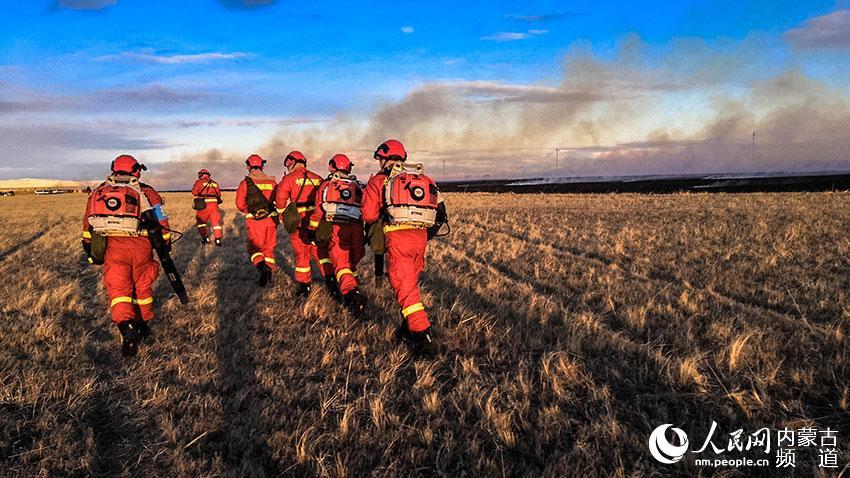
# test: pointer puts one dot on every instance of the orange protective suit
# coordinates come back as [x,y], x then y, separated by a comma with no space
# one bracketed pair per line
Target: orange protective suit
[210,216]
[129,267]
[262,233]
[300,187]
[405,255]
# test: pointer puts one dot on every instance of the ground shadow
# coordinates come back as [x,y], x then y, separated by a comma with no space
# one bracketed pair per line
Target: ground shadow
[241,440]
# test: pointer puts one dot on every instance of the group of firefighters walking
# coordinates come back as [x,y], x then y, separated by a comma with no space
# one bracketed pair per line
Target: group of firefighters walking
[329,220]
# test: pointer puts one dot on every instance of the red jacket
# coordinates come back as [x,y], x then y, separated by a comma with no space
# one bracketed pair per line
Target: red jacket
[267,185]
[156,202]
[291,184]
[373,198]
[206,188]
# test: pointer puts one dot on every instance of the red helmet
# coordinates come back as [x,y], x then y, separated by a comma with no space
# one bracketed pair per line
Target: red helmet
[203,172]
[128,165]
[340,162]
[255,161]
[294,157]
[391,150]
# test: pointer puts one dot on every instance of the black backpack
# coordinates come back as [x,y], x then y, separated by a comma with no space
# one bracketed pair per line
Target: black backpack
[258,205]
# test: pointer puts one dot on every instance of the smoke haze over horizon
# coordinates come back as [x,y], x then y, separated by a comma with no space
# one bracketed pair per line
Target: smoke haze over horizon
[669,97]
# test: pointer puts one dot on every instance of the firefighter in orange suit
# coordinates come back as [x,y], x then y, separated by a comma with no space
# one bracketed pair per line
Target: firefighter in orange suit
[408,203]
[114,220]
[255,198]
[207,191]
[338,201]
[299,187]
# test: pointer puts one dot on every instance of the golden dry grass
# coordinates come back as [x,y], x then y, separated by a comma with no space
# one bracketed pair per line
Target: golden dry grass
[574,325]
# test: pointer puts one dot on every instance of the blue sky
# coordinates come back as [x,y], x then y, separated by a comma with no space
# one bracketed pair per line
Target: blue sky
[83,79]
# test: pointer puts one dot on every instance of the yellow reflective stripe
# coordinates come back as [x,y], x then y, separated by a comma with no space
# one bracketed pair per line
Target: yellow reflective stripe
[166,236]
[265,187]
[305,208]
[210,200]
[400,227]
[91,261]
[249,216]
[146,301]
[303,181]
[270,261]
[302,269]
[202,226]
[86,235]
[254,255]
[324,261]
[121,300]
[412,308]
[342,272]
[314,223]
[216,227]
[280,209]
[355,273]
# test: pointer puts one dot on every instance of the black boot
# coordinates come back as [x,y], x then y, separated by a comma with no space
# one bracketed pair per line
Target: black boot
[218,242]
[143,329]
[265,274]
[130,338]
[333,288]
[302,289]
[355,302]
[205,241]
[421,343]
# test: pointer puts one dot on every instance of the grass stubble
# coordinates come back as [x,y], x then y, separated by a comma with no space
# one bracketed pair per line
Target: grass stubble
[574,325]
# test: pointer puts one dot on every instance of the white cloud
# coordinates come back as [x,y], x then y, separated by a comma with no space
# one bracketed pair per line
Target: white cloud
[513,36]
[149,57]
[506,36]
[407,29]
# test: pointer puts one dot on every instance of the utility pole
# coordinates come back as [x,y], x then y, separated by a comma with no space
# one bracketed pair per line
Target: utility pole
[557,159]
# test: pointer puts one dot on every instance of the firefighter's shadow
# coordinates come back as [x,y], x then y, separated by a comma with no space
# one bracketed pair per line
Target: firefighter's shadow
[114,430]
[242,436]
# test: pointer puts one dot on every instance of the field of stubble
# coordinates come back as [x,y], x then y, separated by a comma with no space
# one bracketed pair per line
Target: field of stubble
[574,325]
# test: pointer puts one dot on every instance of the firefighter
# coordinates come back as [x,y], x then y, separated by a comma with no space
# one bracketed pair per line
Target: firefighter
[207,196]
[114,221]
[338,201]
[255,198]
[298,190]
[408,204]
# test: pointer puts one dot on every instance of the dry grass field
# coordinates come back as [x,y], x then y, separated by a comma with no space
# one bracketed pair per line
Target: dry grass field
[574,325]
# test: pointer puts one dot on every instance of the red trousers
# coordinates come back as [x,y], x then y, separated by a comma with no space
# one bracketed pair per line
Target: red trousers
[262,239]
[346,250]
[304,250]
[405,261]
[209,215]
[129,272]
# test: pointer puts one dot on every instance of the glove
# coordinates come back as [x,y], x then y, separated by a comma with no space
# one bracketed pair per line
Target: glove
[311,236]
[89,258]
